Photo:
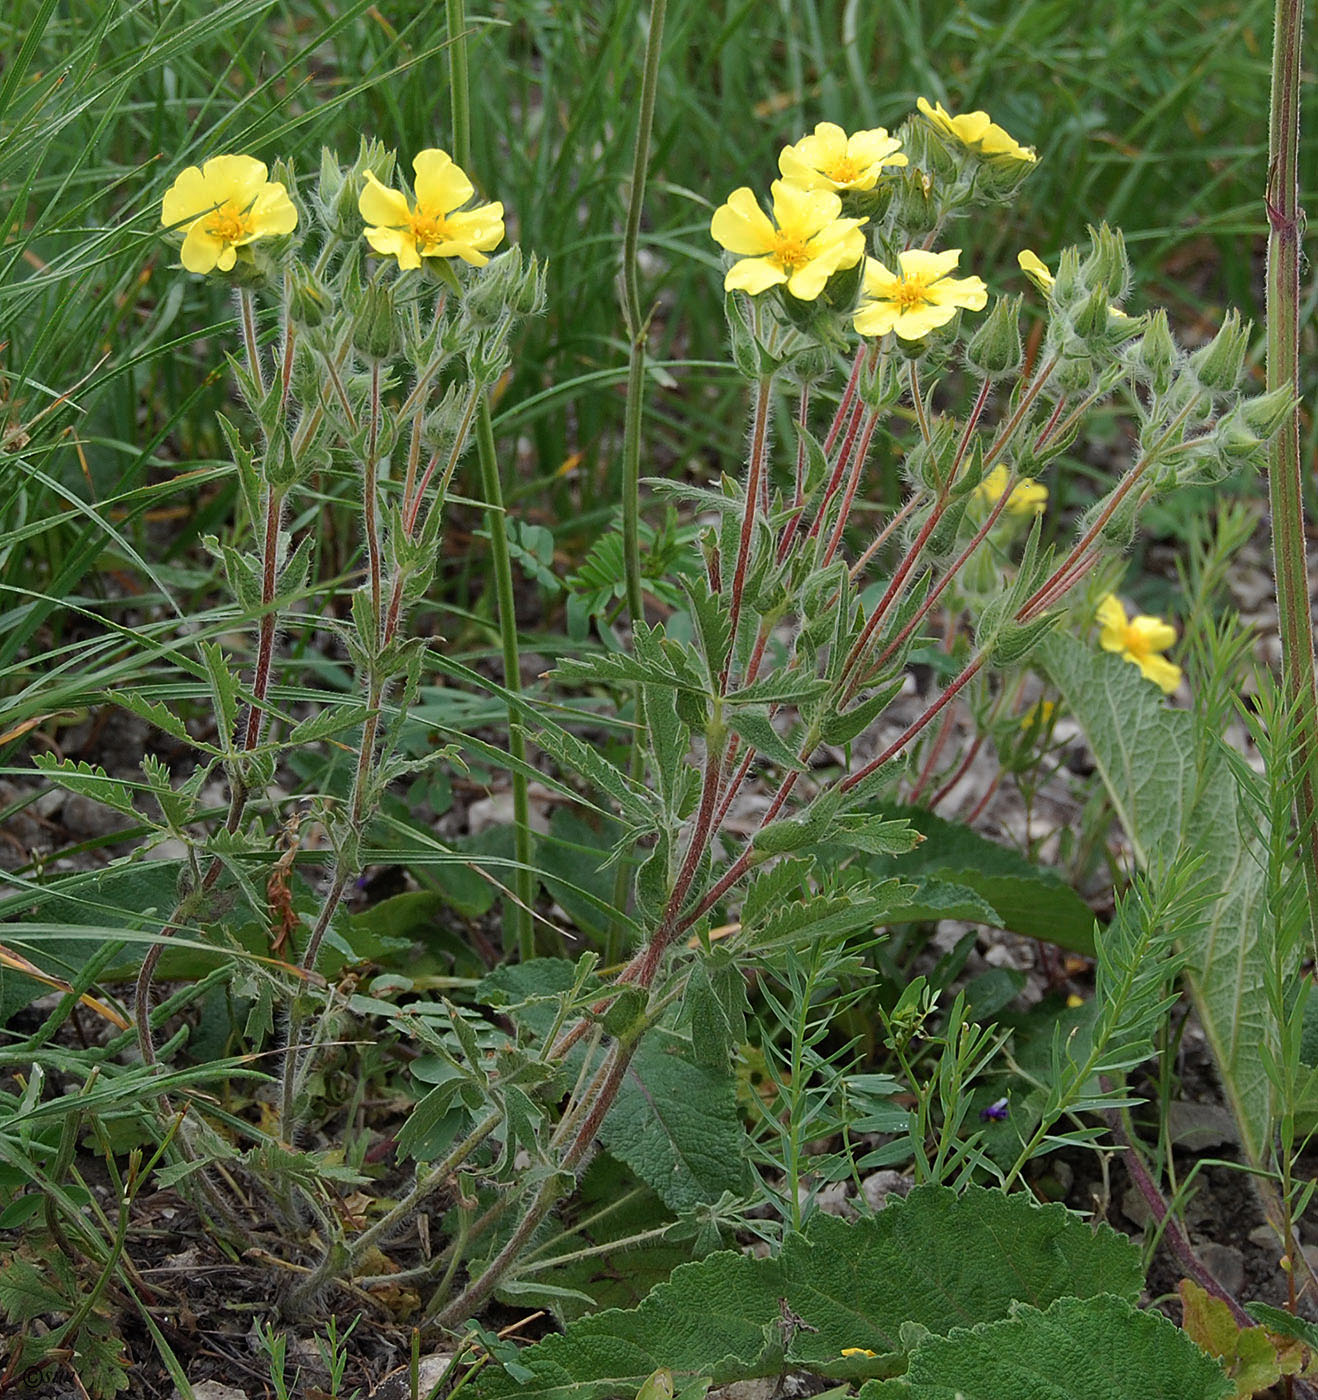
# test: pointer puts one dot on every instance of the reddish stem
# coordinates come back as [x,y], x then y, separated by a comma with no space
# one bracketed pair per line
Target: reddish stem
[759,451]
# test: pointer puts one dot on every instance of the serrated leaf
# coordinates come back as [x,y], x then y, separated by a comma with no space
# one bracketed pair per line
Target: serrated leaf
[87,780]
[937,1260]
[333,719]
[1079,1349]
[156,714]
[584,759]
[675,1124]
[779,688]
[223,686]
[1175,794]
[753,724]
[875,835]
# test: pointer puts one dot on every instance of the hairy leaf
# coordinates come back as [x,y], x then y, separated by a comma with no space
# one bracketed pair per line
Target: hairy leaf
[675,1124]
[1175,792]
[937,1260]
[1079,1349]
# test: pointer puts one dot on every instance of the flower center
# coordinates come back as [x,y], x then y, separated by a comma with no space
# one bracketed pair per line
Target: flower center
[228,224]
[844,171]
[789,253]
[911,292]
[428,228]
[1135,643]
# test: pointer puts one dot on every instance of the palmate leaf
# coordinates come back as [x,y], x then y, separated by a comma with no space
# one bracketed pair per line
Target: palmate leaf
[937,1260]
[1098,1348]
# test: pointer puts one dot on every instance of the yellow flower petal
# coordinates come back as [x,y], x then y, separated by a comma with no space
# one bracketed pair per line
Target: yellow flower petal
[200,252]
[803,213]
[753,275]
[1035,269]
[877,318]
[273,212]
[1151,633]
[395,243]
[879,282]
[977,131]
[875,147]
[741,226]
[1160,671]
[919,321]
[380,205]
[1112,619]
[186,198]
[991,488]
[234,180]
[441,186]
[1028,498]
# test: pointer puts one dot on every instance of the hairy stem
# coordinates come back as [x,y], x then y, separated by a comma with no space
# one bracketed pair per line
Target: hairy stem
[1285,481]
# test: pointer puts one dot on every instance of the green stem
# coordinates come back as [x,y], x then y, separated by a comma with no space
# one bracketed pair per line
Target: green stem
[459,83]
[1284,470]
[492,490]
[636,325]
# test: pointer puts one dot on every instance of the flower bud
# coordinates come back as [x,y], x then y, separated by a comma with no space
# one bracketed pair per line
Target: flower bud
[1265,413]
[1106,267]
[330,184]
[1092,317]
[995,348]
[1154,354]
[915,205]
[1075,370]
[343,214]
[1217,365]
[373,329]
[1067,285]
[308,299]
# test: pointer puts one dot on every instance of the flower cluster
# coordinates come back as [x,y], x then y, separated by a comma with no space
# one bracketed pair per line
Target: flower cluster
[229,203]
[832,185]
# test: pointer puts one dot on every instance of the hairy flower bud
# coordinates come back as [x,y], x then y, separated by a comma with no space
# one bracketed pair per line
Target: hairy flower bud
[1154,355]
[1217,365]
[1106,267]
[308,300]
[995,348]
[374,334]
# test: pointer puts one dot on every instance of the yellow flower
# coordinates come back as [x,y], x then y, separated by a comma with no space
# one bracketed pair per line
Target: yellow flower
[804,244]
[437,227]
[223,206]
[919,298]
[976,131]
[1027,496]
[832,160]
[1138,640]
[858,1351]
[1039,715]
[1034,267]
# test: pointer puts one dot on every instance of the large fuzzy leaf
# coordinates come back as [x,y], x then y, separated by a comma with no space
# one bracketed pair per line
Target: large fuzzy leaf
[1174,792]
[1090,1349]
[675,1124]
[937,1260]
